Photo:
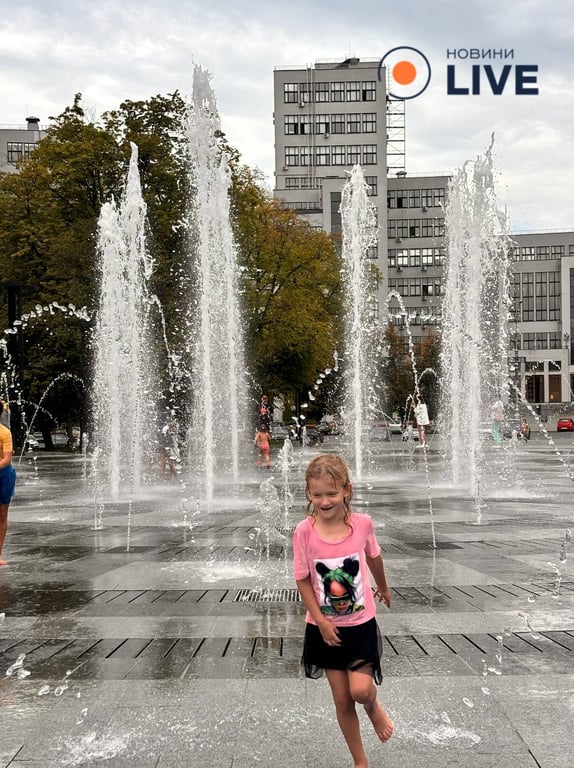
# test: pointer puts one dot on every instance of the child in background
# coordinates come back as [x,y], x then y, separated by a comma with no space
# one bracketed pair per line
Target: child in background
[263,442]
[334,551]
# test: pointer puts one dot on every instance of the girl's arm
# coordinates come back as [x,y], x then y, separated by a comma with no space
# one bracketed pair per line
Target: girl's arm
[377,568]
[328,630]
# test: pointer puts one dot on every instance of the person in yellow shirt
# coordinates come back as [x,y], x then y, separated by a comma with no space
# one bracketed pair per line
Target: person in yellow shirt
[7,480]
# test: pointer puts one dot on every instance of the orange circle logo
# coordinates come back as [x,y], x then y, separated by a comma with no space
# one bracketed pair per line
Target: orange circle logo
[407,70]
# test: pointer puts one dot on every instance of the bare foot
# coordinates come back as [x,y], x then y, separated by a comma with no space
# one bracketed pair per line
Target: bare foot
[382,723]
[3,562]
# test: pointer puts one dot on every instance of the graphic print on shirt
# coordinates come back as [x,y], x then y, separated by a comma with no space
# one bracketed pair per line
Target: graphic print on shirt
[340,586]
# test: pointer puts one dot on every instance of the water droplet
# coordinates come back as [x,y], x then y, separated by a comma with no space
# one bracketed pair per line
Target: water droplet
[485,690]
[468,702]
[23,673]
[43,690]
[531,598]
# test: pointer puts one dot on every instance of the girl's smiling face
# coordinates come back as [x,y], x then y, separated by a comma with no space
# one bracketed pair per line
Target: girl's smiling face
[329,498]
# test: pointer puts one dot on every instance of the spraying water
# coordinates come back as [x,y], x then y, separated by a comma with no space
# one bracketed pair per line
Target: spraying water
[359,233]
[475,315]
[122,349]
[218,386]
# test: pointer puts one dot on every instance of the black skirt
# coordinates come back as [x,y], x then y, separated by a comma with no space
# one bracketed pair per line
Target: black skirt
[363,642]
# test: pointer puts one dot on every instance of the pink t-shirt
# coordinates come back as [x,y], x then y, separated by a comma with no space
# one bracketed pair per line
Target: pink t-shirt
[338,569]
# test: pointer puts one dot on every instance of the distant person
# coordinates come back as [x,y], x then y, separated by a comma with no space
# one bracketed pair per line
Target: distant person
[168,450]
[422,419]
[7,480]
[525,429]
[264,413]
[263,442]
[497,415]
[5,414]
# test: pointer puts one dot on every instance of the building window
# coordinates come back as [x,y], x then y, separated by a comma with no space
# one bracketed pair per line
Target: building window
[541,298]
[323,156]
[557,251]
[372,252]
[414,227]
[527,341]
[391,198]
[414,257]
[305,93]
[392,258]
[305,156]
[369,122]
[370,154]
[527,253]
[338,154]
[414,198]
[554,340]
[554,296]
[402,228]
[322,124]
[353,91]
[542,252]
[415,287]
[541,341]
[337,123]
[14,151]
[321,92]
[427,227]
[427,257]
[291,182]
[402,258]
[438,197]
[369,90]
[290,93]
[291,125]
[426,198]
[306,125]
[353,154]
[371,182]
[291,156]
[402,198]
[337,91]
[439,227]
[354,122]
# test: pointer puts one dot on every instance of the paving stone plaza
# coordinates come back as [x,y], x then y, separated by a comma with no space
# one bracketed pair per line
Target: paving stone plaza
[184,650]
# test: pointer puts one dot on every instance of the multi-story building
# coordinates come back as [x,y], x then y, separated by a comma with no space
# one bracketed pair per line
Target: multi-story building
[17,141]
[328,118]
[332,115]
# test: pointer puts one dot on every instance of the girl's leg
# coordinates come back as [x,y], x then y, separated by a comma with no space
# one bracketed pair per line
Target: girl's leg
[364,691]
[347,714]
[3,528]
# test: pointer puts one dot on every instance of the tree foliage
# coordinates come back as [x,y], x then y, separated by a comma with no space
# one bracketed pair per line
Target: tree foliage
[49,214]
[398,375]
[292,289]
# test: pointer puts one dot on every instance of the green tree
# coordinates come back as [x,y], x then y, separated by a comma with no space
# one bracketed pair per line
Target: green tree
[292,289]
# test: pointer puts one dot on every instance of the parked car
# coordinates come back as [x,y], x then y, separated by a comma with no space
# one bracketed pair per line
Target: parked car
[565,424]
[393,425]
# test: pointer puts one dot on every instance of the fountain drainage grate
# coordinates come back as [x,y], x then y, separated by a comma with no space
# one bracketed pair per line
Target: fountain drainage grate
[267,596]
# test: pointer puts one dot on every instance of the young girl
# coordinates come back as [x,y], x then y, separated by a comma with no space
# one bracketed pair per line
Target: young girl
[334,550]
[262,441]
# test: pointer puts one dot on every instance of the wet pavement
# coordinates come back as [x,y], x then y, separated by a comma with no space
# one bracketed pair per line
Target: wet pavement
[157,631]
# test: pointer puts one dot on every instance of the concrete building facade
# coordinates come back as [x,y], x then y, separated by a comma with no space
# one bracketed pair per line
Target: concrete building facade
[17,141]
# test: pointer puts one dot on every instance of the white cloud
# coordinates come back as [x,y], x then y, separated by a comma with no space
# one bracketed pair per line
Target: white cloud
[111,51]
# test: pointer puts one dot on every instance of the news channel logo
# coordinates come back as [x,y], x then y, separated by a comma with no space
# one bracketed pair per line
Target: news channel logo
[408,72]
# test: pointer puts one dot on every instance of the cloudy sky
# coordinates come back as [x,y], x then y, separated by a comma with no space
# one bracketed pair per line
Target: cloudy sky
[114,50]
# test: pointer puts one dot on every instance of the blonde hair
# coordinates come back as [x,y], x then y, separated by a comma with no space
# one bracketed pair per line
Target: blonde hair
[333,466]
